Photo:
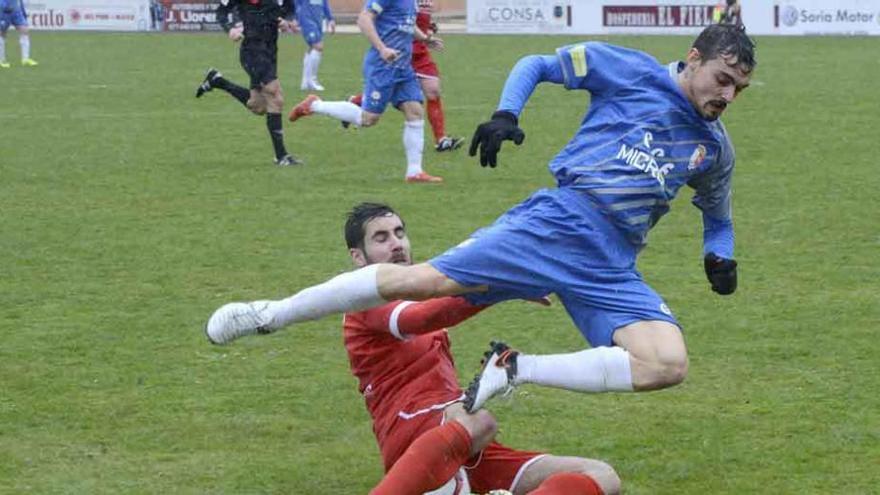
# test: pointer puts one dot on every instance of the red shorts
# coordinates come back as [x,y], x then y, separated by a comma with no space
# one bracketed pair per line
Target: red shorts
[496,467]
[424,65]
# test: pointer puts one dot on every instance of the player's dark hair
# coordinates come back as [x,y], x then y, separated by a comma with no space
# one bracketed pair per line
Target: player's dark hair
[358,218]
[727,40]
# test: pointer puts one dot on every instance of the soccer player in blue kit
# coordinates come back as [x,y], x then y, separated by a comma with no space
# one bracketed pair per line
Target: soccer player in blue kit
[12,13]
[650,129]
[311,15]
[390,26]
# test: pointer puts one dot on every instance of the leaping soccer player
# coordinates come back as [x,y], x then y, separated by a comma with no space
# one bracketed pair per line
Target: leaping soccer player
[650,130]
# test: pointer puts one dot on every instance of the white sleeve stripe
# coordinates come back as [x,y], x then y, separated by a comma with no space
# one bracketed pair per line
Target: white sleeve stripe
[392,322]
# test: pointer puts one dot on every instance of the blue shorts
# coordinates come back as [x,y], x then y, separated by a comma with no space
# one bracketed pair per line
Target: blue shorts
[15,18]
[312,29]
[556,241]
[389,83]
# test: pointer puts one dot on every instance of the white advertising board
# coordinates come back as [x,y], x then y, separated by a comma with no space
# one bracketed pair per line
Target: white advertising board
[93,15]
[602,17]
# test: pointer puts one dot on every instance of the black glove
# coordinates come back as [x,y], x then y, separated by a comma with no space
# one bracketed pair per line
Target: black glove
[434,27]
[721,273]
[489,136]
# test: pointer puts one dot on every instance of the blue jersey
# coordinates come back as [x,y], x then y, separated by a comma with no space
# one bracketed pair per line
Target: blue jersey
[641,139]
[395,24]
[313,10]
[9,6]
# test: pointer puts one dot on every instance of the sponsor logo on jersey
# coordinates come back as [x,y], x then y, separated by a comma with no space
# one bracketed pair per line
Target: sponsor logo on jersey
[647,159]
[697,157]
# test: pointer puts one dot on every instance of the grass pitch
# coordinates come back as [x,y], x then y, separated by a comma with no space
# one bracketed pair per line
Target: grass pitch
[131,210]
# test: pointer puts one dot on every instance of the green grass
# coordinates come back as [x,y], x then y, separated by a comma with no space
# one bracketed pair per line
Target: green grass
[130,211]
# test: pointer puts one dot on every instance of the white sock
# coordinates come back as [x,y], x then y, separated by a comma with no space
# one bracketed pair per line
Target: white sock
[600,369]
[307,74]
[2,49]
[413,145]
[352,291]
[315,56]
[25,41]
[339,110]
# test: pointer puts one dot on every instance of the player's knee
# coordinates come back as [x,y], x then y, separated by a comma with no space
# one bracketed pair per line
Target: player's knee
[256,106]
[605,475]
[670,371]
[369,119]
[482,428]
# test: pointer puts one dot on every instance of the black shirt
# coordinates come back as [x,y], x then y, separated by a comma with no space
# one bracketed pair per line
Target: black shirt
[259,17]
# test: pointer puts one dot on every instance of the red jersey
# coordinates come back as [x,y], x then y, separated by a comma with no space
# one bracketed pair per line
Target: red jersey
[400,354]
[423,22]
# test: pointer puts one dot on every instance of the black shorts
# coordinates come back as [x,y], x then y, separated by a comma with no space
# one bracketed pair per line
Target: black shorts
[259,60]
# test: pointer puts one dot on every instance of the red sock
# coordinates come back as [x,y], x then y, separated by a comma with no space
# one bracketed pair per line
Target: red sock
[435,117]
[357,99]
[568,484]
[429,462]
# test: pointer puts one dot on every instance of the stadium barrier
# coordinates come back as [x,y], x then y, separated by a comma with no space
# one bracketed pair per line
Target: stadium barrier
[593,17]
[603,17]
[166,15]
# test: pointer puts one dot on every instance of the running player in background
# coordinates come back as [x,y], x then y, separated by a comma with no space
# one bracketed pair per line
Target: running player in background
[400,353]
[650,129]
[389,25]
[260,21]
[12,13]
[429,79]
[311,15]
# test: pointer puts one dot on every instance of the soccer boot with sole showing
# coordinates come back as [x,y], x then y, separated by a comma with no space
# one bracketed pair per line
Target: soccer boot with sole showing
[496,377]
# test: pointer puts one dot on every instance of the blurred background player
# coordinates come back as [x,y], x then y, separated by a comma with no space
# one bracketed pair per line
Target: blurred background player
[429,80]
[389,25]
[311,15]
[257,30]
[12,13]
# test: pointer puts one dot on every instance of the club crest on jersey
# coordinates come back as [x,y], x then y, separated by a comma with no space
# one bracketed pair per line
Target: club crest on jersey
[646,159]
[697,157]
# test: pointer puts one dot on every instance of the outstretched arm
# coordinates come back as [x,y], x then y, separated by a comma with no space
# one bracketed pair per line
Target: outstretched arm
[525,77]
[416,318]
[504,126]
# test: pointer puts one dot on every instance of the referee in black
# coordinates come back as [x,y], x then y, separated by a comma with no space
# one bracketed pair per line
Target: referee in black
[256,24]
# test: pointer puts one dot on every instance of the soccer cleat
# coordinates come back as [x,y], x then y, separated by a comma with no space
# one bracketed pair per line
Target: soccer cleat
[288,160]
[4,64]
[236,320]
[206,86]
[423,177]
[496,377]
[29,62]
[314,85]
[303,108]
[448,143]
